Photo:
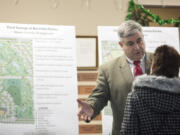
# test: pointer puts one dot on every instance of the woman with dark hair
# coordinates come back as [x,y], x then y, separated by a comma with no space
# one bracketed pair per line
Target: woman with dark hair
[153,106]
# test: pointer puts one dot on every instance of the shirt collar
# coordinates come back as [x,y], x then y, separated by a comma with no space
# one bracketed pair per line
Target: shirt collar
[131,62]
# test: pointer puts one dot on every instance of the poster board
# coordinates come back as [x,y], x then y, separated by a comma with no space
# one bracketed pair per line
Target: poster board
[37,64]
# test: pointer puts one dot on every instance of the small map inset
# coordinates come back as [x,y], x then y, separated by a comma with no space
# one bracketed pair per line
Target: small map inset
[16,81]
[110,50]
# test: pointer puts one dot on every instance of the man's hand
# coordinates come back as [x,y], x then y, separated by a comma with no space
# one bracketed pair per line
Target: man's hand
[85,111]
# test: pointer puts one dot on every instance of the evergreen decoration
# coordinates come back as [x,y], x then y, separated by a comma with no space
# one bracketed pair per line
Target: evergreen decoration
[144,16]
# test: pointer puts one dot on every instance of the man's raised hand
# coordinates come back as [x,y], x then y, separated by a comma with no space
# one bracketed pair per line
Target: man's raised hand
[85,111]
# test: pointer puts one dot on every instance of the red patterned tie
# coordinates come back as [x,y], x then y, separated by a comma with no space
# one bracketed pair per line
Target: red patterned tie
[137,69]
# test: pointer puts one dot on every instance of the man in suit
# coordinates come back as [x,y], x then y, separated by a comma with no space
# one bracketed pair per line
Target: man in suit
[115,77]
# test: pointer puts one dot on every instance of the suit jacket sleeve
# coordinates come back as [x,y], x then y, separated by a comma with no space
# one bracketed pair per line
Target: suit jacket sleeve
[100,95]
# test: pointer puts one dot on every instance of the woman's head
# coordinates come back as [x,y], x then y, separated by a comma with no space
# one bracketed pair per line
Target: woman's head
[166,62]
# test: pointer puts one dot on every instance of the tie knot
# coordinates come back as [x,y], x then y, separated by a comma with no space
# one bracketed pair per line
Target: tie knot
[137,68]
[136,63]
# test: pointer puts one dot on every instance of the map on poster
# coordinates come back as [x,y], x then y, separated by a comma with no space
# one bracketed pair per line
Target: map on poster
[16,95]
[110,49]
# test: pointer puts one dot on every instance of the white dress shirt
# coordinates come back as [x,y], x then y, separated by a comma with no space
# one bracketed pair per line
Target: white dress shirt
[132,66]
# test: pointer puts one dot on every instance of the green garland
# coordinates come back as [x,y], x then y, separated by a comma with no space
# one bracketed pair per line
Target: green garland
[134,9]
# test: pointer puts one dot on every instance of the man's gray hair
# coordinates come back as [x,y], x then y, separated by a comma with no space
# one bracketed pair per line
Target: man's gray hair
[128,28]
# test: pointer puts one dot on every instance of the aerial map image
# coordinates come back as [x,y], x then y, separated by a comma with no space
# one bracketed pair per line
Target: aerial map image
[16,81]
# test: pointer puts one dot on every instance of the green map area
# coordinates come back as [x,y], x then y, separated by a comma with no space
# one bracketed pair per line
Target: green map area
[16,81]
[110,50]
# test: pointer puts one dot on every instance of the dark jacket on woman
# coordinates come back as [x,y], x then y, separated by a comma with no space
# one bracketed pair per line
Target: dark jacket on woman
[153,107]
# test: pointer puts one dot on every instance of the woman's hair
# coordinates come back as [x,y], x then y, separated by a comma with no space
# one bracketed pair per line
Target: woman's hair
[166,62]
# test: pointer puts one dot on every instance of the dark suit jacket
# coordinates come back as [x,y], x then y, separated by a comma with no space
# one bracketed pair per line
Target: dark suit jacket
[113,84]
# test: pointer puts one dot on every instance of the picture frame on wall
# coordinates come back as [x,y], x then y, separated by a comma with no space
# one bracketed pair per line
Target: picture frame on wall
[87,52]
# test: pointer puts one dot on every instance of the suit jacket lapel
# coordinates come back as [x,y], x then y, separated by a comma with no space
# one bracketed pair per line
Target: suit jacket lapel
[125,69]
[148,60]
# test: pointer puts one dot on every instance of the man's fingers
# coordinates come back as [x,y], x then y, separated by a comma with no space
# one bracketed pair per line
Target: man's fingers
[89,118]
[82,117]
[80,112]
[85,117]
[80,102]
[87,121]
[85,111]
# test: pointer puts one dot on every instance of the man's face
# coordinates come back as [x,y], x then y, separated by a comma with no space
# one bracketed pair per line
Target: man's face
[134,46]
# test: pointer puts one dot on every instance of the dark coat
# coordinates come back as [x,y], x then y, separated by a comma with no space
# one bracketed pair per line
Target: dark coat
[153,107]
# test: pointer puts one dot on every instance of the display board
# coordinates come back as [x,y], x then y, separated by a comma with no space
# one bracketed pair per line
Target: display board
[37,64]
